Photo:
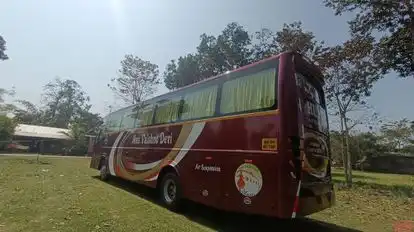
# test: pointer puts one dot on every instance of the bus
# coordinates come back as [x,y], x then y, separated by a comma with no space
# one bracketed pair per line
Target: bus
[253,140]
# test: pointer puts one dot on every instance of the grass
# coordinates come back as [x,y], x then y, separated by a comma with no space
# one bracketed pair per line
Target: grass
[375,203]
[63,194]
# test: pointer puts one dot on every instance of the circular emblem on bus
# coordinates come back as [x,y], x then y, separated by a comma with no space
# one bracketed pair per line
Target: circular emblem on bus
[248,179]
[316,155]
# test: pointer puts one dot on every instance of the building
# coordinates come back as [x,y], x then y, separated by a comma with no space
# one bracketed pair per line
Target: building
[39,139]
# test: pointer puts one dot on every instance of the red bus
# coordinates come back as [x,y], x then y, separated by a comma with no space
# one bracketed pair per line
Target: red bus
[254,140]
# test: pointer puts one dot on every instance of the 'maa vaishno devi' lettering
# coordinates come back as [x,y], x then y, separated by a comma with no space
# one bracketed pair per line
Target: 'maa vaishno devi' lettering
[161,138]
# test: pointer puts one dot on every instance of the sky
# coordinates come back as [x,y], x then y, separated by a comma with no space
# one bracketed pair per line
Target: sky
[85,40]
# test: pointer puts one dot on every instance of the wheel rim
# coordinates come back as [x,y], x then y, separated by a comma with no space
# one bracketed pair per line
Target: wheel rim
[170,191]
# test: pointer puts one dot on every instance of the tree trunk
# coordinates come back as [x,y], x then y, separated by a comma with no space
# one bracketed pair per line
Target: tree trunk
[348,170]
[411,13]
[343,144]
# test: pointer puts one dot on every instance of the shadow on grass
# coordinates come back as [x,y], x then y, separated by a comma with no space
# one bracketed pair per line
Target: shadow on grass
[358,176]
[226,221]
[396,190]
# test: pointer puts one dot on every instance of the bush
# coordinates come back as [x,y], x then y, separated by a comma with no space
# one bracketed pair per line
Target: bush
[7,126]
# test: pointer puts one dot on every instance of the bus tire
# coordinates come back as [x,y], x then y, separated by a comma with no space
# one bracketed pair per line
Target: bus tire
[170,191]
[103,171]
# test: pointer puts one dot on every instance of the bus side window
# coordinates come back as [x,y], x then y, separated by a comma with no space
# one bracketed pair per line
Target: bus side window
[254,92]
[145,115]
[199,104]
[167,111]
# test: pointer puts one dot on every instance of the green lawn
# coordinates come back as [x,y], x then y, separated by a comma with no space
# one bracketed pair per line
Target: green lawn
[62,194]
[375,202]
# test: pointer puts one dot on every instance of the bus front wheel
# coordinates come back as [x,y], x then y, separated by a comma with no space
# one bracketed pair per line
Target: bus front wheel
[170,191]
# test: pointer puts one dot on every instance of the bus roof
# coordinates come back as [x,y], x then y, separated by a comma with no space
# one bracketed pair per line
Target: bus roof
[213,78]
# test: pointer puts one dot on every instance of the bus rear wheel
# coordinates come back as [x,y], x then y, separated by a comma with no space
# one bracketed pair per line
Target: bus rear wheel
[170,191]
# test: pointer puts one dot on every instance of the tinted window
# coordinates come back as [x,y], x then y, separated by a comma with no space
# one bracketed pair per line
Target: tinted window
[313,104]
[253,92]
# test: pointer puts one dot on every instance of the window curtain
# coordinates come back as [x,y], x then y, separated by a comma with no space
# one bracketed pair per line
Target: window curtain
[252,92]
[167,112]
[200,103]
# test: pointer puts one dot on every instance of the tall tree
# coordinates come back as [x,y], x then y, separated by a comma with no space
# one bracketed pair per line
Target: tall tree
[292,37]
[137,80]
[63,100]
[91,122]
[392,20]
[234,43]
[350,71]
[231,49]
[264,44]
[397,134]
[187,70]
[28,113]
[3,55]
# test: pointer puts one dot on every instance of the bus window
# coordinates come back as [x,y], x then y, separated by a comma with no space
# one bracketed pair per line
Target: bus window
[167,111]
[200,104]
[314,109]
[112,122]
[145,115]
[128,119]
[253,92]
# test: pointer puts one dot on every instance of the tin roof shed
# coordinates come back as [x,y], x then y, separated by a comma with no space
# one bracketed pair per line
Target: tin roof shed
[41,132]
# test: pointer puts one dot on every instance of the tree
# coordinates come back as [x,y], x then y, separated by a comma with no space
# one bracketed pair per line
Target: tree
[3,55]
[6,107]
[234,44]
[90,122]
[64,100]
[137,80]
[292,37]
[398,135]
[77,134]
[393,21]
[350,71]
[184,72]
[336,147]
[7,126]
[28,113]
[215,55]
[366,144]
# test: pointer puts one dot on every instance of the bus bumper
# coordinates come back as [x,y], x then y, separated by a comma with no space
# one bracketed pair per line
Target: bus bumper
[315,198]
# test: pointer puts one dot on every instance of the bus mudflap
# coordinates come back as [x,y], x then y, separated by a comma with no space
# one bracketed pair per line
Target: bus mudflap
[316,197]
